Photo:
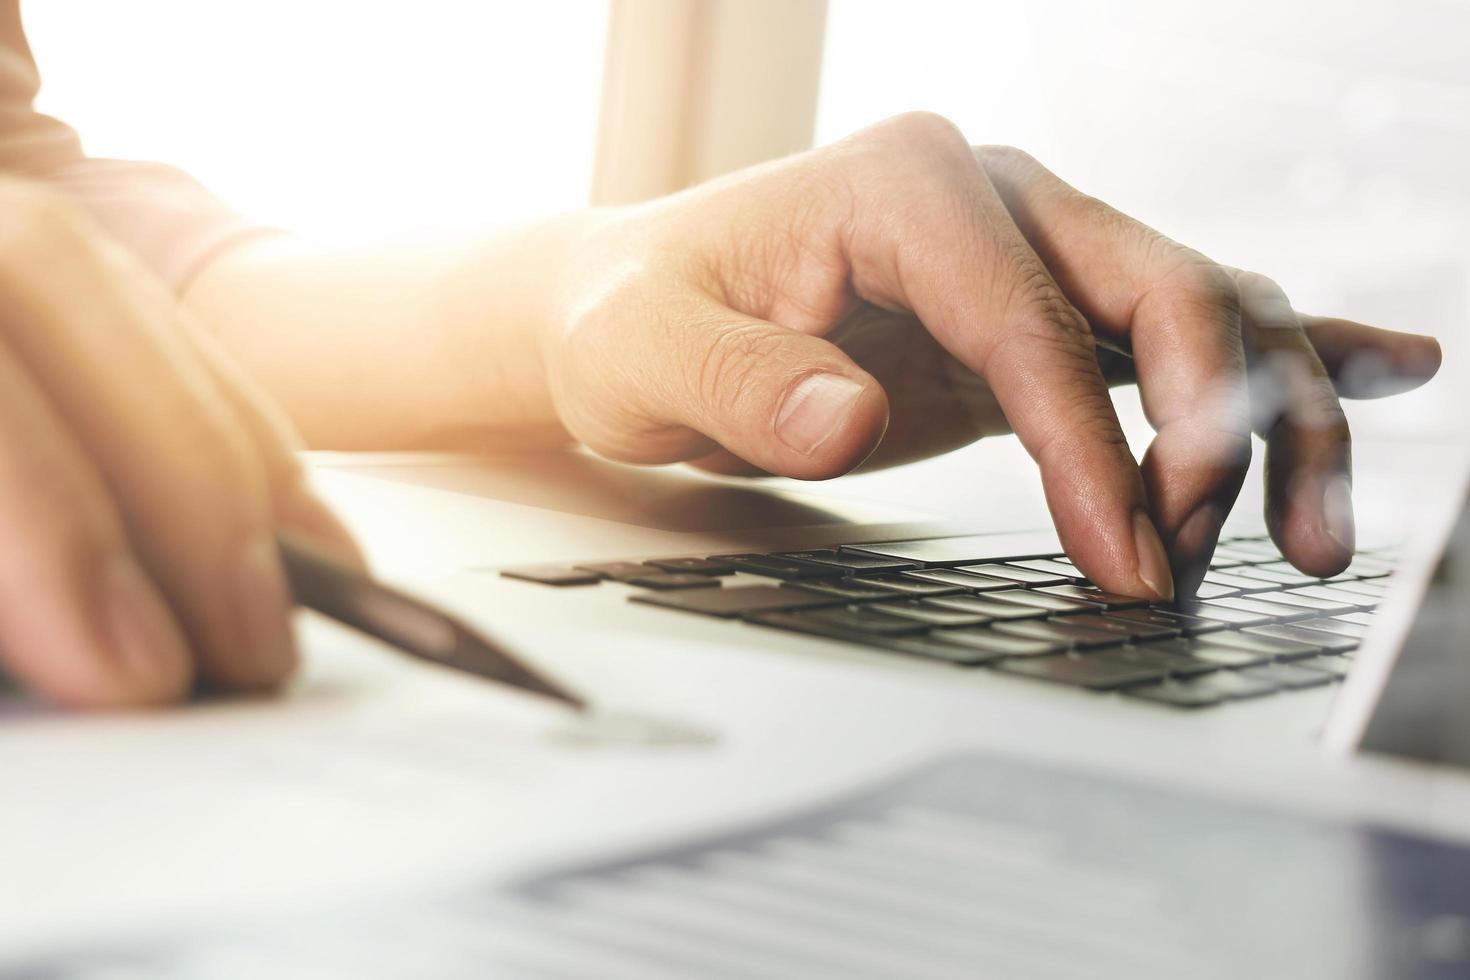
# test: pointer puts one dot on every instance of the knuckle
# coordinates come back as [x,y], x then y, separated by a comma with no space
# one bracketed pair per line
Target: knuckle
[1038,312]
[1086,428]
[925,126]
[930,136]
[1203,283]
[730,367]
[33,220]
[62,541]
[1321,411]
[46,494]
[1229,442]
[288,479]
[1009,160]
[218,463]
[66,534]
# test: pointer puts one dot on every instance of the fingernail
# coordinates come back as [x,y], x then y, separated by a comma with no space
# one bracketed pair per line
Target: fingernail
[1337,513]
[149,646]
[815,409]
[1196,539]
[1153,562]
[1194,545]
[265,605]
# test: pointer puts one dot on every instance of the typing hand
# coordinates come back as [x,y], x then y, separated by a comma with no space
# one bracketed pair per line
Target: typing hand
[782,318]
[139,481]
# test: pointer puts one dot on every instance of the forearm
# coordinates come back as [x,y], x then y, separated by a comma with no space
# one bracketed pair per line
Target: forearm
[396,347]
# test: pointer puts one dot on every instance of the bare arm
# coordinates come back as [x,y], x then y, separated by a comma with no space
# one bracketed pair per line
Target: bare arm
[397,346]
[894,295]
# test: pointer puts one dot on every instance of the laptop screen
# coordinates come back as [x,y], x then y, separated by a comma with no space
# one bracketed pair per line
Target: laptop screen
[1410,694]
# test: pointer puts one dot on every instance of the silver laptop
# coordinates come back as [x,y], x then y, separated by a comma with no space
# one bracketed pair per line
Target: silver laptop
[969,865]
[671,557]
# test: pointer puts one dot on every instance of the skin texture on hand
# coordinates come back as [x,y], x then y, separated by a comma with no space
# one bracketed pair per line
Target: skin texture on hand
[892,296]
[902,293]
[140,481]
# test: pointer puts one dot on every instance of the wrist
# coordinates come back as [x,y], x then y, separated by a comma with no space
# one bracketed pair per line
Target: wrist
[498,307]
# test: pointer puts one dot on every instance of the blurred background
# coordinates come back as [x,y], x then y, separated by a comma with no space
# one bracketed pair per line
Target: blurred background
[1326,144]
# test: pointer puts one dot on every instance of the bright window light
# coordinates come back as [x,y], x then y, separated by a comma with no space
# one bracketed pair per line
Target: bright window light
[340,120]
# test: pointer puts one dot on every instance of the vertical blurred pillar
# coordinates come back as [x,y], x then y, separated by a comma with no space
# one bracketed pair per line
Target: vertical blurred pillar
[697,88]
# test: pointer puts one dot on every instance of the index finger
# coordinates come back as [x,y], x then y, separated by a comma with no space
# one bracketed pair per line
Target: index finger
[1180,313]
[960,263]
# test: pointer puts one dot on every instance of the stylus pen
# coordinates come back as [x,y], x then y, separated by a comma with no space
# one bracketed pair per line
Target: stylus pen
[411,625]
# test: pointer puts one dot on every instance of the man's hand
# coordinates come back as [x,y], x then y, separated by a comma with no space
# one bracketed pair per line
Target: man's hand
[140,481]
[784,318]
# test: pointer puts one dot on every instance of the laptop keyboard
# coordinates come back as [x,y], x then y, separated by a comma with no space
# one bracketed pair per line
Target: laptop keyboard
[1257,626]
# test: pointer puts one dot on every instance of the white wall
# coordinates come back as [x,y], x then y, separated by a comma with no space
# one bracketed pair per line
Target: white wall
[1323,142]
[336,118]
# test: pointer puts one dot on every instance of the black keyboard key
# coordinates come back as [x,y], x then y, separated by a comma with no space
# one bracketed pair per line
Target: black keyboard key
[1287,567]
[1199,692]
[1229,658]
[1334,625]
[1311,603]
[1291,578]
[736,601]
[1260,549]
[1318,640]
[1042,600]
[1050,566]
[1228,555]
[996,644]
[697,566]
[618,571]
[1131,630]
[1018,575]
[931,613]
[905,584]
[1261,606]
[1333,593]
[863,619]
[1220,654]
[1183,622]
[1370,589]
[851,561]
[850,589]
[773,567]
[988,605]
[553,575]
[933,551]
[1091,672]
[1209,590]
[1289,676]
[937,646]
[969,654]
[1240,583]
[1335,667]
[965,580]
[1369,566]
[1171,657]
[1178,693]
[1218,614]
[1271,647]
[1096,596]
[1060,631]
[665,581]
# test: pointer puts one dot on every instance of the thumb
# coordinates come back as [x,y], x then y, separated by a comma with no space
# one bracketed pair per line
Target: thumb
[786,402]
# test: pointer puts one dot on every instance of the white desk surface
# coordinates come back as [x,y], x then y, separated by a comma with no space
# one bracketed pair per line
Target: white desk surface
[375,773]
